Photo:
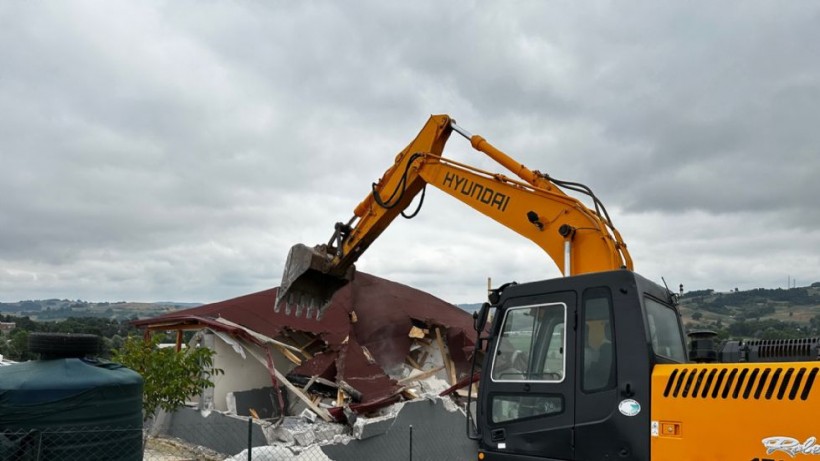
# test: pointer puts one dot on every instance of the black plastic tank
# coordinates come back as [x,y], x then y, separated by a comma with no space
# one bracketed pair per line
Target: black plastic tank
[67,406]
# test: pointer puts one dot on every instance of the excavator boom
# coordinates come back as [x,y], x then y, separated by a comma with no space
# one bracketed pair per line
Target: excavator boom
[579,239]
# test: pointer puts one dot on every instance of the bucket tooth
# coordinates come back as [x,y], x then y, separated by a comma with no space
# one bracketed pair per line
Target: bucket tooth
[300,306]
[320,310]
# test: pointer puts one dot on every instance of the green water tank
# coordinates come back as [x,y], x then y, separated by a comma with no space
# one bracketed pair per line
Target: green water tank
[69,408]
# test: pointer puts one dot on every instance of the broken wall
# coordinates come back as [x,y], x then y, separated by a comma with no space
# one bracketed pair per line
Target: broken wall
[216,431]
[438,433]
[241,373]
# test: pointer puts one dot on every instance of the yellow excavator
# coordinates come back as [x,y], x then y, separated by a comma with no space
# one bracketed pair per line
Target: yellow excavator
[593,365]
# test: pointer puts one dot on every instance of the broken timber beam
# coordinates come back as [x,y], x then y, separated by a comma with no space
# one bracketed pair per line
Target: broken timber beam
[419,376]
[301,396]
[309,383]
[445,357]
[341,385]
[289,355]
[282,379]
[412,362]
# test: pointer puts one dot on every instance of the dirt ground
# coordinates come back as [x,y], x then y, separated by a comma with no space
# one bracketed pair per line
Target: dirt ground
[162,449]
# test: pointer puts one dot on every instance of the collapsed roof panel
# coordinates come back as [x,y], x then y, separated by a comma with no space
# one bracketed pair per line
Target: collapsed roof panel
[365,332]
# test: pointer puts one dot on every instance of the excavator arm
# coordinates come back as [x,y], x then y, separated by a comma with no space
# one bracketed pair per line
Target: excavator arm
[578,239]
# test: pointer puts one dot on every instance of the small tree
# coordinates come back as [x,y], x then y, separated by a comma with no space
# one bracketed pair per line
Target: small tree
[17,348]
[171,377]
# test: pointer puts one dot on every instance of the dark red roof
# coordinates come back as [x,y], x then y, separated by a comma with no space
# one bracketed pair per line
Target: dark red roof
[385,312]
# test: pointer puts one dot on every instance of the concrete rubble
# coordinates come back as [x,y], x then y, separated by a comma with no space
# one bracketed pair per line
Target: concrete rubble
[333,384]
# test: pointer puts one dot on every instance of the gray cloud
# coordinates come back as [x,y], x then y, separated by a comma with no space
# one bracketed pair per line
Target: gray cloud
[176,150]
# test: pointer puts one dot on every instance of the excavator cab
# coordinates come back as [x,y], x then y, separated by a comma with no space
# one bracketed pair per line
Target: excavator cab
[566,376]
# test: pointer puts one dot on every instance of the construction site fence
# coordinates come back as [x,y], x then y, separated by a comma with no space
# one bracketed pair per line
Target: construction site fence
[195,442]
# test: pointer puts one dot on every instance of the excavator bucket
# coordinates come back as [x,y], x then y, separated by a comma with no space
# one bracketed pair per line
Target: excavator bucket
[307,287]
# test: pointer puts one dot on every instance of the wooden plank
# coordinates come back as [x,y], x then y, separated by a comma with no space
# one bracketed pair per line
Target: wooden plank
[445,357]
[301,396]
[422,359]
[304,350]
[326,382]
[419,376]
[347,388]
[350,390]
[289,355]
[296,391]
[409,394]
[413,363]
[309,383]
[306,339]
[259,337]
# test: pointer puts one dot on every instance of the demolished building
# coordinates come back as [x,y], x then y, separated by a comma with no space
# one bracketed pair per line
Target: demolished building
[377,345]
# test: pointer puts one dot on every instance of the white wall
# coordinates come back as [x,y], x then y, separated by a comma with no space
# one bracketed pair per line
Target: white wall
[241,374]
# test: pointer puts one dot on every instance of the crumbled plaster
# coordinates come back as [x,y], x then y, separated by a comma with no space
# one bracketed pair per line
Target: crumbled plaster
[281,453]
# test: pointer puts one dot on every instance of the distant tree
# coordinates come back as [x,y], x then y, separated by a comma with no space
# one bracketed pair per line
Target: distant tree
[717,306]
[814,325]
[777,333]
[17,348]
[697,293]
[30,306]
[755,312]
[697,316]
[171,377]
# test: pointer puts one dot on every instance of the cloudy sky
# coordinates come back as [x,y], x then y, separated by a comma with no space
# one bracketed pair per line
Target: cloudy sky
[161,150]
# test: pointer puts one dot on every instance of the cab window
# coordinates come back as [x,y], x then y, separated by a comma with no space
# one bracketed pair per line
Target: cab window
[665,334]
[531,345]
[598,354]
[514,407]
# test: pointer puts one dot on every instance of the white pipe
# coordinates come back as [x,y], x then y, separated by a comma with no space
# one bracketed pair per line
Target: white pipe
[567,257]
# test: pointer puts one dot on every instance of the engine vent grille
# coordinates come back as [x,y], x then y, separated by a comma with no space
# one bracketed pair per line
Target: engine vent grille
[772,350]
[790,383]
